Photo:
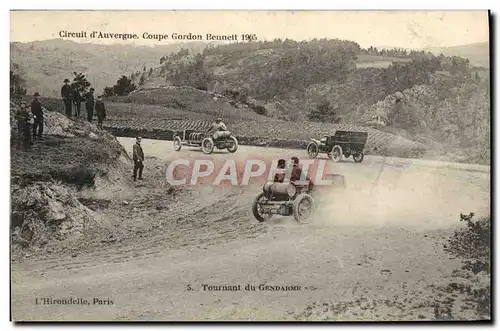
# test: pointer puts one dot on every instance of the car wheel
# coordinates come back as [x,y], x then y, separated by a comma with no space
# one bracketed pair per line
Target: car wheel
[303,208]
[234,145]
[177,143]
[336,155]
[256,209]
[358,157]
[207,145]
[312,150]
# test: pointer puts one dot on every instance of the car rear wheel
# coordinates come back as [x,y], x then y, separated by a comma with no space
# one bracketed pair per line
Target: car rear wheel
[303,208]
[177,143]
[257,209]
[312,150]
[358,157]
[234,145]
[336,154]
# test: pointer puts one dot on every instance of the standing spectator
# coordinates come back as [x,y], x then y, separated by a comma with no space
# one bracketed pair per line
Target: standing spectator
[37,111]
[67,95]
[20,122]
[138,157]
[77,101]
[89,104]
[23,118]
[100,111]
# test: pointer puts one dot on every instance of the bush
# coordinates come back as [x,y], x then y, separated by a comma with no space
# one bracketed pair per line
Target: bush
[472,244]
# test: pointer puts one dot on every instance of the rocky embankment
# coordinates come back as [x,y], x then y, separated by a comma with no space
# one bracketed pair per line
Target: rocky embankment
[47,178]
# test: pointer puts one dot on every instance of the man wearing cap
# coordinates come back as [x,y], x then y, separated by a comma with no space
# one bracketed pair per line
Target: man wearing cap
[89,104]
[67,95]
[217,126]
[138,157]
[37,111]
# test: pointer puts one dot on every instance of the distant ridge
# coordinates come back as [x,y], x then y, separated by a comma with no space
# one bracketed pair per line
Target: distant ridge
[477,53]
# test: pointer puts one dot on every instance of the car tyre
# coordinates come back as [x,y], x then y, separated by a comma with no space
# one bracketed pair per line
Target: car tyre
[336,154]
[303,208]
[234,146]
[177,143]
[312,150]
[255,209]
[207,145]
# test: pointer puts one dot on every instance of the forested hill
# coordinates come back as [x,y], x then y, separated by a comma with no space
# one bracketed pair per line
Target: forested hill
[292,79]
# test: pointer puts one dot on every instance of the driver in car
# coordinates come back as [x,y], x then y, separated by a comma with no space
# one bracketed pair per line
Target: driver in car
[297,173]
[296,170]
[280,176]
[217,126]
[324,138]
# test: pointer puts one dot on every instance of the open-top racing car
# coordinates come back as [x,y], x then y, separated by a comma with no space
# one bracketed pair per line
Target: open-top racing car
[287,199]
[207,142]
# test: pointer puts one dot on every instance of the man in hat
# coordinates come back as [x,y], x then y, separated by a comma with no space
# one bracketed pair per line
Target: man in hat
[77,101]
[67,95]
[89,104]
[100,111]
[138,157]
[37,111]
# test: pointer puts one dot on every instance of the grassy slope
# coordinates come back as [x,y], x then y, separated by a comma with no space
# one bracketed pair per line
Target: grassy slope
[45,64]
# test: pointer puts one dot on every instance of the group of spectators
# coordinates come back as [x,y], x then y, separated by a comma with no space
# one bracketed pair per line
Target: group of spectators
[73,99]
[30,118]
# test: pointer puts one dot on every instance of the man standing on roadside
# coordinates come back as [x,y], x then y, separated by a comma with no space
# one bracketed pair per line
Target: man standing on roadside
[77,101]
[67,95]
[100,111]
[24,120]
[37,111]
[23,126]
[138,157]
[89,104]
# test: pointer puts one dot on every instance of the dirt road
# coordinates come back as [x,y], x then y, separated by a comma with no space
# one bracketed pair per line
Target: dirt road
[370,254]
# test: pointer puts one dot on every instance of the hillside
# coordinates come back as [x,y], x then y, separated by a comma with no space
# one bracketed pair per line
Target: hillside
[291,80]
[45,64]
[478,53]
[326,83]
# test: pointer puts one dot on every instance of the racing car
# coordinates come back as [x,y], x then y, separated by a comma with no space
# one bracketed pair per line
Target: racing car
[207,142]
[289,199]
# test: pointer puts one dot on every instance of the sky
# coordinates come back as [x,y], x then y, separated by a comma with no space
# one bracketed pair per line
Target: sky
[405,29]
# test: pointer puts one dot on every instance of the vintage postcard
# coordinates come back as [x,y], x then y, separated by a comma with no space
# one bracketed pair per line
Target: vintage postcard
[250,166]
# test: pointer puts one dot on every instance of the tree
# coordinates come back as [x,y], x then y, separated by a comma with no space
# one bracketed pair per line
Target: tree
[324,112]
[123,86]
[80,82]
[108,91]
[150,71]
[141,80]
